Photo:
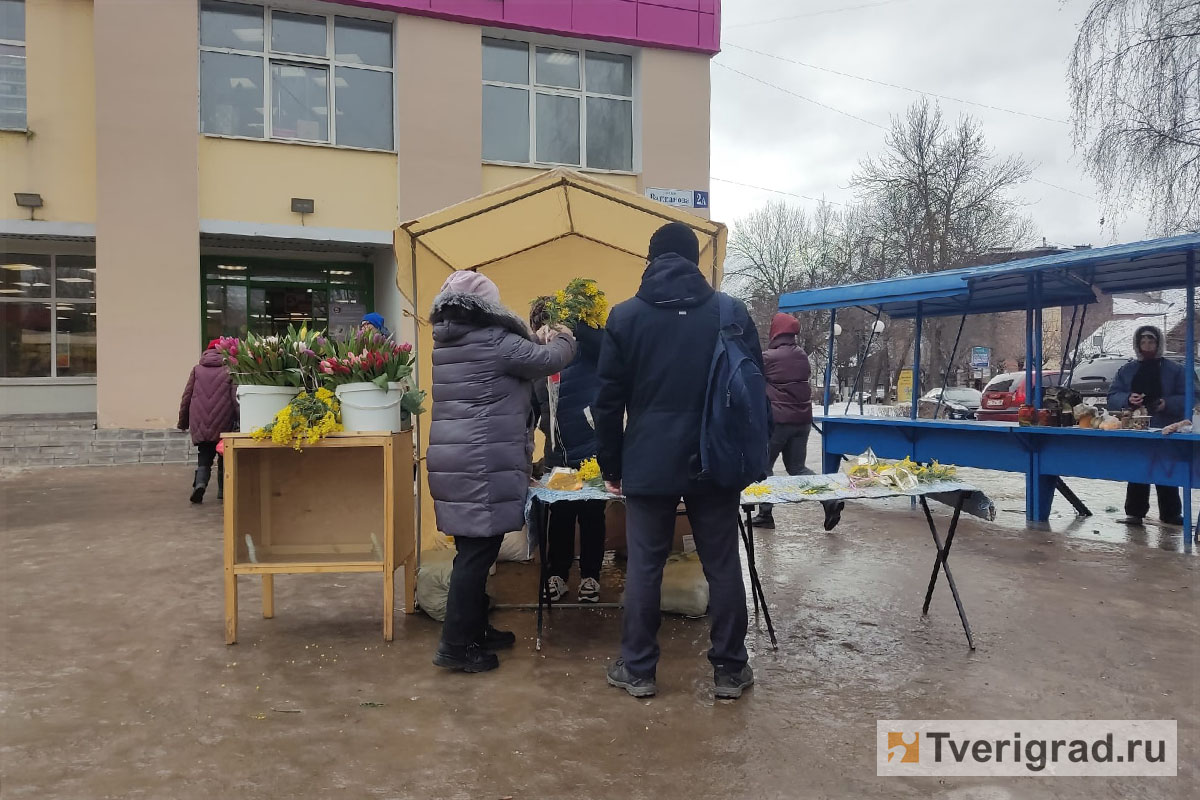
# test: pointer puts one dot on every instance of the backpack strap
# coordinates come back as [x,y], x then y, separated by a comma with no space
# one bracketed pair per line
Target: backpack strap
[725,306]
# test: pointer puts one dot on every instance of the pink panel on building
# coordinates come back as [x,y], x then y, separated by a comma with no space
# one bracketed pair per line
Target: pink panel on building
[682,24]
[708,32]
[482,10]
[686,5]
[668,26]
[609,19]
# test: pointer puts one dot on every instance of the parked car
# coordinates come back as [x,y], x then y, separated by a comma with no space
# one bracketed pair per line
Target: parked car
[1093,378]
[1005,393]
[959,402]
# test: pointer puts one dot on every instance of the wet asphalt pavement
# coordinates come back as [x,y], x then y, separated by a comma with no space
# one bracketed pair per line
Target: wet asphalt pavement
[117,682]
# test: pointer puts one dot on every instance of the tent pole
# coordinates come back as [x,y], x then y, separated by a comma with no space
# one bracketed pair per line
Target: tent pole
[1062,364]
[1029,341]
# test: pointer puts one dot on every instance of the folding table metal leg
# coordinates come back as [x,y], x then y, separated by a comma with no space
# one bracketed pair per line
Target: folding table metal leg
[943,553]
[756,590]
[541,517]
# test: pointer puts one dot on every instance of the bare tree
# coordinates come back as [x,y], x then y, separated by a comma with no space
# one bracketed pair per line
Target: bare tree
[1135,92]
[935,198]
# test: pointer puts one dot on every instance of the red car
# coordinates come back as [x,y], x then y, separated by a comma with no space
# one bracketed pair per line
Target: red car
[1005,393]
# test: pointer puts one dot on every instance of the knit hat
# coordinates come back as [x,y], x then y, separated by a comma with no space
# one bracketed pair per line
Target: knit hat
[677,238]
[213,344]
[784,323]
[375,320]
[466,281]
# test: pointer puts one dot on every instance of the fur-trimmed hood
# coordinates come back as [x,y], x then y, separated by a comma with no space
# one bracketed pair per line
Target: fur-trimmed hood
[1137,335]
[456,313]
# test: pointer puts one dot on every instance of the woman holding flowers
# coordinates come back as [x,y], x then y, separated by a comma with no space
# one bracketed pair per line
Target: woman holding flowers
[480,447]
[583,308]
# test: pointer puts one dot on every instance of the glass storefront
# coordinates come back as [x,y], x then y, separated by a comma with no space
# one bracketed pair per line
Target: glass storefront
[47,316]
[264,296]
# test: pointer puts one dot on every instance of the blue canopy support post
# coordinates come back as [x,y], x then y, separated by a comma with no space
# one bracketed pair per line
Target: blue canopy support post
[829,461]
[829,355]
[1036,355]
[916,362]
[1189,396]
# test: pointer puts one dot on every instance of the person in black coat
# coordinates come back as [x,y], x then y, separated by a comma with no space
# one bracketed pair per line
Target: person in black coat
[654,367]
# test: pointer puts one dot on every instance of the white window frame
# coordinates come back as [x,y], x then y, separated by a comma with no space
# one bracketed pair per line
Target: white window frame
[23,44]
[329,61]
[533,89]
[53,301]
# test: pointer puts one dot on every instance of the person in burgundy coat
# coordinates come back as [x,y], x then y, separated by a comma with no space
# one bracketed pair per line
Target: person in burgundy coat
[788,375]
[209,408]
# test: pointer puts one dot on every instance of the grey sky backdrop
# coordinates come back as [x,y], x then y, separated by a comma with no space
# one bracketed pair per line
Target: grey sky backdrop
[1006,53]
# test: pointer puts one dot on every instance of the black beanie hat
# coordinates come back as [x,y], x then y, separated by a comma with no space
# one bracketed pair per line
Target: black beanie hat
[675,237]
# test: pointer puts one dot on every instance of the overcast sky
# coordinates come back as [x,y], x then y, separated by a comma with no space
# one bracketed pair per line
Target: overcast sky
[1006,53]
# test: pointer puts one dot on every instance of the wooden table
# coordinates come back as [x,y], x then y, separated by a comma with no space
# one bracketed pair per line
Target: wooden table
[344,504]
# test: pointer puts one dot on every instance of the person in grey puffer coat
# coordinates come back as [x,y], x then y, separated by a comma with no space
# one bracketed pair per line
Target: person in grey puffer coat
[481,446]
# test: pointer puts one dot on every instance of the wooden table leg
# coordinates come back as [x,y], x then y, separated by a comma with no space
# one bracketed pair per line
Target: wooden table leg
[389,603]
[268,592]
[231,606]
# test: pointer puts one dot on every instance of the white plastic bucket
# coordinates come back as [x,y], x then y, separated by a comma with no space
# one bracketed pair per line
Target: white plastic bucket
[366,407]
[258,405]
[403,420]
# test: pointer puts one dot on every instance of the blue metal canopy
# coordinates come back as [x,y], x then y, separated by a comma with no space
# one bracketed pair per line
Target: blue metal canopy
[1066,280]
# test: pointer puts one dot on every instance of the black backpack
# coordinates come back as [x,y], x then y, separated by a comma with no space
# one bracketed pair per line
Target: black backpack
[736,429]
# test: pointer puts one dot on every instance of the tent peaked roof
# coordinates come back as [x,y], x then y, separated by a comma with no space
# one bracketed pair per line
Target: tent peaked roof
[1066,279]
[549,206]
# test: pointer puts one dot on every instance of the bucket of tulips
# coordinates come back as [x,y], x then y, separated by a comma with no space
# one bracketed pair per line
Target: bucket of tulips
[371,378]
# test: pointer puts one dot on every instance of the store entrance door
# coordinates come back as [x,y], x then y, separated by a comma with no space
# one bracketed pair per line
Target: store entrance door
[264,296]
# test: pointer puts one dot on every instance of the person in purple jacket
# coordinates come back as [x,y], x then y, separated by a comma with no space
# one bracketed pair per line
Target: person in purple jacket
[788,376]
[209,408]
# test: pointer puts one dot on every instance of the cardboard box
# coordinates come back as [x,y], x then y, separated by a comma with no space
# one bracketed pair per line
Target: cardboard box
[614,530]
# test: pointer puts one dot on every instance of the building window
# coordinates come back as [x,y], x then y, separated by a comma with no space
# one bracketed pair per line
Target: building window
[271,74]
[47,316]
[550,105]
[12,65]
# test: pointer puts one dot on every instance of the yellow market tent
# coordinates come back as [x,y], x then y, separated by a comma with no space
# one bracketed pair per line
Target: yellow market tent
[532,238]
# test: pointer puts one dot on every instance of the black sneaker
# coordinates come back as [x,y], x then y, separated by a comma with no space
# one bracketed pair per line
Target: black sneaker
[833,515]
[728,685]
[471,658]
[494,639]
[763,521]
[1130,520]
[620,676]
[1176,520]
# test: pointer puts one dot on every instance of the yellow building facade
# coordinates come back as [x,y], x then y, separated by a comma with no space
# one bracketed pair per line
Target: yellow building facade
[174,171]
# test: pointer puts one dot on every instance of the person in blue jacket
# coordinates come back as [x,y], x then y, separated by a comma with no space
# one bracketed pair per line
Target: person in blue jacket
[1157,385]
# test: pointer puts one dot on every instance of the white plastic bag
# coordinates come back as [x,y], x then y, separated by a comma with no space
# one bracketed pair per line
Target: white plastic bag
[516,546]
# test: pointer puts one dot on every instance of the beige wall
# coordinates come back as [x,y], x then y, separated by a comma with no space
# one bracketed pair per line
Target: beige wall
[675,120]
[496,176]
[247,181]
[147,221]
[439,128]
[58,157]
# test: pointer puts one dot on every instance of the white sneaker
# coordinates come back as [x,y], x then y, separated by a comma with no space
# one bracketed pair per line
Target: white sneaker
[589,590]
[557,588]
